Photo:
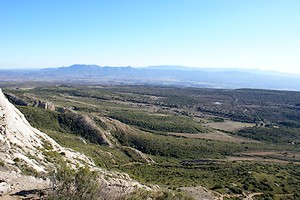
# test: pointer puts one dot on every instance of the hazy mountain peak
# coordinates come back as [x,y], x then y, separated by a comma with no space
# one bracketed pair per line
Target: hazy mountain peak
[171,75]
[82,65]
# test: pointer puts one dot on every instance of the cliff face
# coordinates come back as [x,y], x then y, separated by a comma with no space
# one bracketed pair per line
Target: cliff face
[23,143]
[26,149]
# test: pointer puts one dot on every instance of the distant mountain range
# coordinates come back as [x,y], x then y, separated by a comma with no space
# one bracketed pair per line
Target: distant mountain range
[158,75]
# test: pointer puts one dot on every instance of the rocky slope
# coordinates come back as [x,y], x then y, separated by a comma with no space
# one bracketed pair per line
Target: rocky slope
[27,153]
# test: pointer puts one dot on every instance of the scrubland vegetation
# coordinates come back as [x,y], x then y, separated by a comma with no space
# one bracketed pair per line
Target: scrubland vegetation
[142,117]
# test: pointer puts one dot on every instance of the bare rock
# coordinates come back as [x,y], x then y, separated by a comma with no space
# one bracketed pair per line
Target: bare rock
[23,145]
[16,100]
[4,188]
[44,105]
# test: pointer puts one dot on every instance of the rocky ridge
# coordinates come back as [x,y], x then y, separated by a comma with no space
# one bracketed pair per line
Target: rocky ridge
[26,149]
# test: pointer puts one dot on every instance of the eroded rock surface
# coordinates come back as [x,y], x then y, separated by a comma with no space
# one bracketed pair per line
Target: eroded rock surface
[25,149]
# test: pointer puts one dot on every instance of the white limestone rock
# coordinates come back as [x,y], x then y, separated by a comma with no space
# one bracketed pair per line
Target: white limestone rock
[22,144]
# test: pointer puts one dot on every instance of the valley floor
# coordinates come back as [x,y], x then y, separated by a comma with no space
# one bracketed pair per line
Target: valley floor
[179,138]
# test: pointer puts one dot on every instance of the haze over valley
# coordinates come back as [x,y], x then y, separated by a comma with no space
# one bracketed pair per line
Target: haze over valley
[158,75]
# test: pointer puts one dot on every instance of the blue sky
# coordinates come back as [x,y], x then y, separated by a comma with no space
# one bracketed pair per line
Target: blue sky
[261,34]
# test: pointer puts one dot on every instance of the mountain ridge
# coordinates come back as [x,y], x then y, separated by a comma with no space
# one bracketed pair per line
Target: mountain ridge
[159,75]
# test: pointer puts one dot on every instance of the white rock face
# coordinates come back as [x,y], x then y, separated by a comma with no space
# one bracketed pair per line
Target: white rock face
[21,142]
[4,188]
[22,145]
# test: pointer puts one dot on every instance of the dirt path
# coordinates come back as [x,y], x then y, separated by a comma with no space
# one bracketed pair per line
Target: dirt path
[291,155]
[222,196]
[245,196]
[201,193]
[216,135]
[68,98]
[250,196]
[229,125]
[260,159]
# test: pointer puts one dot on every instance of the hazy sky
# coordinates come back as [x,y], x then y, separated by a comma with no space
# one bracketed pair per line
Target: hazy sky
[198,33]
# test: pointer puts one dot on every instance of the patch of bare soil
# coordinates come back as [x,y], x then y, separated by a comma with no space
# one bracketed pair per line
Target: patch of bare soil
[199,193]
[287,156]
[260,159]
[8,197]
[250,196]
[69,98]
[229,125]
[159,114]
[233,196]
[21,186]
[216,135]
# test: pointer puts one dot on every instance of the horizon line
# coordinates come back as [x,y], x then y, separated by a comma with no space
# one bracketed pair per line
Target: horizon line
[163,65]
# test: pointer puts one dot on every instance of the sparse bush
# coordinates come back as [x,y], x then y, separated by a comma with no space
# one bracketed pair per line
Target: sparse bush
[162,194]
[276,107]
[71,184]
[168,123]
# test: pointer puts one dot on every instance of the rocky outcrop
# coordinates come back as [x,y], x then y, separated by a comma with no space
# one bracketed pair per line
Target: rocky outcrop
[112,125]
[44,105]
[141,155]
[13,182]
[4,188]
[84,126]
[20,142]
[24,149]
[16,100]
[30,101]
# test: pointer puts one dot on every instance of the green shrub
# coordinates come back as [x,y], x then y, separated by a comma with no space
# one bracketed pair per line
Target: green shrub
[158,123]
[71,184]
[162,194]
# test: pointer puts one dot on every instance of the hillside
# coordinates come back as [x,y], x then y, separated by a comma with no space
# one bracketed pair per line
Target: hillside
[29,156]
[204,142]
